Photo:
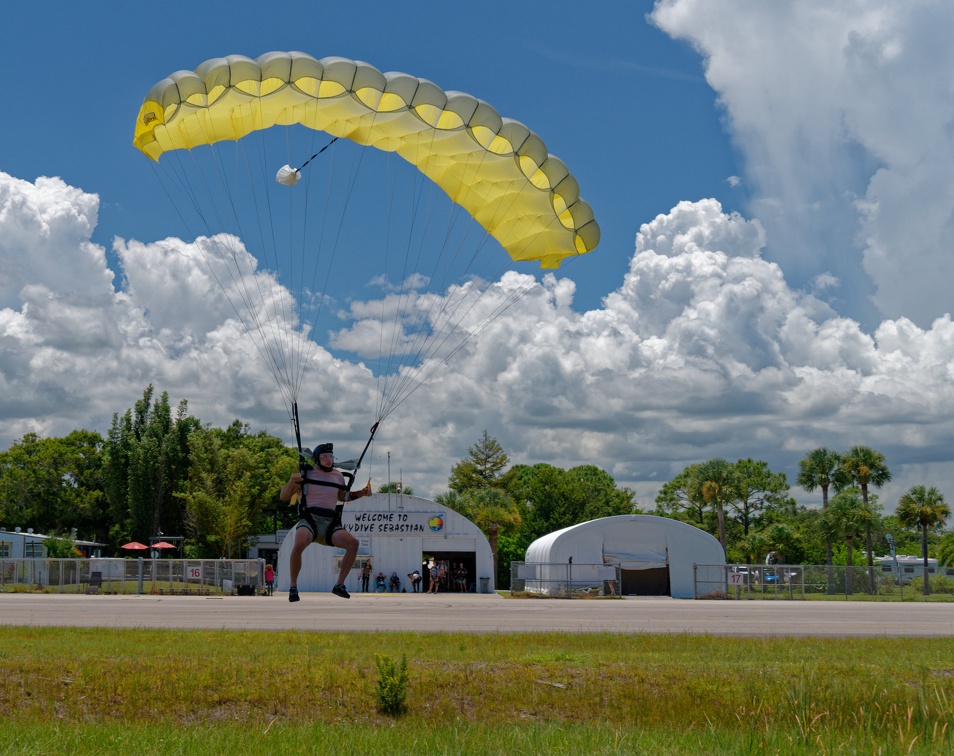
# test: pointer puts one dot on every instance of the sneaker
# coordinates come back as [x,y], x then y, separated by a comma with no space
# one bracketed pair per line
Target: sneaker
[293,594]
[340,590]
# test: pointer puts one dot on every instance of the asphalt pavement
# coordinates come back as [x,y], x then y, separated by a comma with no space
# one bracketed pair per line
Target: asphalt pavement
[483,613]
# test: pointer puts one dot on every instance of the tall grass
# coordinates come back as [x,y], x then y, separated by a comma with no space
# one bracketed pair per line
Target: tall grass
[105,691]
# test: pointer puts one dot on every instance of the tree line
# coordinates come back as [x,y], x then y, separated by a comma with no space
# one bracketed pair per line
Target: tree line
[751,511]
[160,470]
[746,505]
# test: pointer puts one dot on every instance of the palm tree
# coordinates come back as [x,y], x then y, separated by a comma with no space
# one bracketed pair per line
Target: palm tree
[714,479]
[845,518]
[866,467]
[820,469]
[925,508]
[945,551]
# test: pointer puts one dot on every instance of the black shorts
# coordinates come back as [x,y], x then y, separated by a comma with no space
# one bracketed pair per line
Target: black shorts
[326,520]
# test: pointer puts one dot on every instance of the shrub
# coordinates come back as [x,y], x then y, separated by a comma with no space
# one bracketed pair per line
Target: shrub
[392,685]
[938,584]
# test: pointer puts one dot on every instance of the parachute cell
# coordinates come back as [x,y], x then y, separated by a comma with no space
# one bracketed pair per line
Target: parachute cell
[495,168]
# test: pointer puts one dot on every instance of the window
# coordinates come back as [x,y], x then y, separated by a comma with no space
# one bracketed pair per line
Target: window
[6,549]
[33,550]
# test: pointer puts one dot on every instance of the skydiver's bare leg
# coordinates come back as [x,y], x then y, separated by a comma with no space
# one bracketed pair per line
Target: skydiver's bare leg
[303,539]
[344,540]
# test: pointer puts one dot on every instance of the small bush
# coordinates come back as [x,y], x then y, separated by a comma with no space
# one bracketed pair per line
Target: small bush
[937,584]
[392,685]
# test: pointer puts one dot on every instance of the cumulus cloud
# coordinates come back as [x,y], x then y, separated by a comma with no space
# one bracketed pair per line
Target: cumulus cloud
[842,112]
[703,349]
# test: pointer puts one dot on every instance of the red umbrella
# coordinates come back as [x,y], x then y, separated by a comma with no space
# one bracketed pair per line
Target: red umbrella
[134,546]
[162,545]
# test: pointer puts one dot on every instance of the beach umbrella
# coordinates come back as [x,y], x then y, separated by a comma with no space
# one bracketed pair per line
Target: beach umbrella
[134,546]
[162,545]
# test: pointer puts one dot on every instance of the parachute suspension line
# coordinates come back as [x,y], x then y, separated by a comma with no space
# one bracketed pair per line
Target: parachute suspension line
[274,334]
[409,344]
[442,314]
[357,464]
[191,190]
[255,301]
[297,250]
[423,377]
[323,288]
[405,291]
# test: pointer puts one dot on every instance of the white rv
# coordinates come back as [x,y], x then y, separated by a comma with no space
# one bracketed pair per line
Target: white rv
[906,567]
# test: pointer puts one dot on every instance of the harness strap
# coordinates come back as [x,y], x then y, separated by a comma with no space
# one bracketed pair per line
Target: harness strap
[339,486]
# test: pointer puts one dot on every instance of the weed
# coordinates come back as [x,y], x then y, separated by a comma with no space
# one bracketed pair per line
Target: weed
[392,685]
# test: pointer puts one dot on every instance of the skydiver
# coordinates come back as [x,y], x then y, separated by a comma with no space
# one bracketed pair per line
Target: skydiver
[320,521]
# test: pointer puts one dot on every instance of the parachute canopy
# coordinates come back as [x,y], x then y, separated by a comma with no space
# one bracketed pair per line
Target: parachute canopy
[495,168]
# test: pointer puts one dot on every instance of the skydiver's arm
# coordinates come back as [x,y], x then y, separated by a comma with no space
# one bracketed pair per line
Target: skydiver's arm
[366,491]
[292,487]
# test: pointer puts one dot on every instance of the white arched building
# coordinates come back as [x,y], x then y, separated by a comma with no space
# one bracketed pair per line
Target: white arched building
[397,533]
[655,555]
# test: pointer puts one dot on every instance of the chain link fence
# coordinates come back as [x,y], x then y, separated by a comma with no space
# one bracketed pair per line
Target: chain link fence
[795,581]
[154,576]
[563,580]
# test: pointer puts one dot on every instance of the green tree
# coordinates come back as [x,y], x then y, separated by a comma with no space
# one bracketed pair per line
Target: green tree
[926,509]
[231,487]
[945,550]
[845,518]
[494,511]
[761,496]
[61,548]
[866,467]
[820,469]
[54,485]
[483,466]
[553,498]
[147,459]
[716,482]
[681,499]
[395,487]
[602,497]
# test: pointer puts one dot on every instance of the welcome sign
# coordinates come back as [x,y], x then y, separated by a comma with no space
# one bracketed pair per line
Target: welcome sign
[392,523]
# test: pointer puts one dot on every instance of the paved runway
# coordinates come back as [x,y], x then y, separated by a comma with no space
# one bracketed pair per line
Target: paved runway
[470,613]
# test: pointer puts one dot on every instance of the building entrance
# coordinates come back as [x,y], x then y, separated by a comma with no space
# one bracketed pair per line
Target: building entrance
[652,582]
[456,580]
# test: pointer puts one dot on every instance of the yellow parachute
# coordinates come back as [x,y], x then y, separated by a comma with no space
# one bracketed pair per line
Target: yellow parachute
[495,168]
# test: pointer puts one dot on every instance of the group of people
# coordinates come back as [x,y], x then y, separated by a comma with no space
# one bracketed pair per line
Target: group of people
[382,582]
[447,578]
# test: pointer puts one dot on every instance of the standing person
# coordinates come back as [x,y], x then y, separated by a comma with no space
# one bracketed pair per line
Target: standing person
[365,576]
[269,579]
[435,578]
[442,575]
[319,493]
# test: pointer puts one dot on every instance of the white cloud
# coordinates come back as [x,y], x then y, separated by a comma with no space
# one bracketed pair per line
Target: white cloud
[702,350]
[842,112]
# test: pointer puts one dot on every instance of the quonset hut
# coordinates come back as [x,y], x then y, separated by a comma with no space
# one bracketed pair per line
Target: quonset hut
[655,556]
[399,534]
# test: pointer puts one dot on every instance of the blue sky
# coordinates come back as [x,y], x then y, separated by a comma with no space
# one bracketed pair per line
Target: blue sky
[627,108]
[772,181]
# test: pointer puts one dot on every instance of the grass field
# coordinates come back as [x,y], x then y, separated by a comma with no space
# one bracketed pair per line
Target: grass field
[197,692]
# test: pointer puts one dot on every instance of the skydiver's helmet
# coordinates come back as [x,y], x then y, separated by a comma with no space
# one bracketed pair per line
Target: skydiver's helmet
[323,449]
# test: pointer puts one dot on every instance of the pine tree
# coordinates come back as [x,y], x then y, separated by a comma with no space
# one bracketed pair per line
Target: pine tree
[483,467]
